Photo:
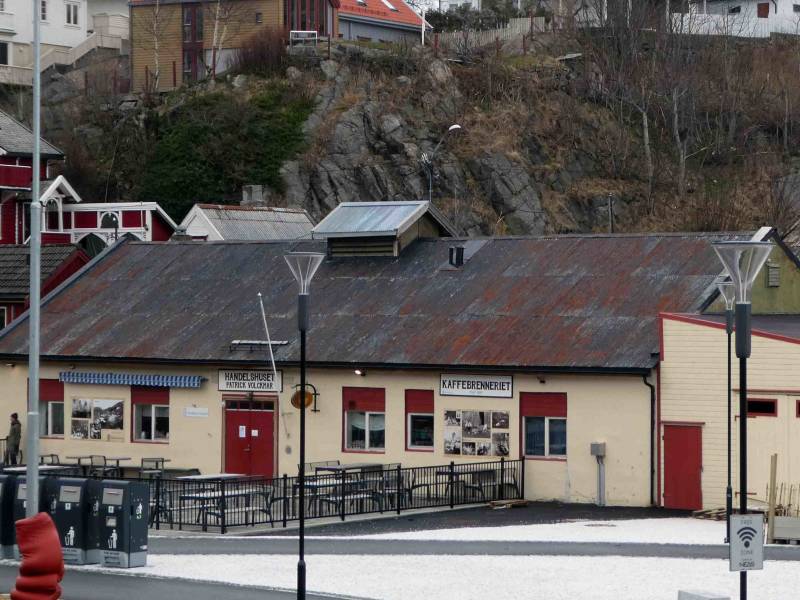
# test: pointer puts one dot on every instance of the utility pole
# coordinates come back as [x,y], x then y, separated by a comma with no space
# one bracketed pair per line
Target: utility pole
[32,446]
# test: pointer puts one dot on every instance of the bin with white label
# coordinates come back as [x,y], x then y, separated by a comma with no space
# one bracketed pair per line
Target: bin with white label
[122,523]
[8,533]
[69,508]
[20,502]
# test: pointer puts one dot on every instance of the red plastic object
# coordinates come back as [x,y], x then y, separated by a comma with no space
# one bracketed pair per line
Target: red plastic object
[42,566]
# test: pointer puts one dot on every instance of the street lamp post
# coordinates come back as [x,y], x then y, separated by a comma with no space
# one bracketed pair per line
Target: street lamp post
[427,161]
[303,266]
[743,261]
[728,293]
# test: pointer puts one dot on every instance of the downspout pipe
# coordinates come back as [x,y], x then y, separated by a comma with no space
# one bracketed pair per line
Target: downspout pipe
[652,439]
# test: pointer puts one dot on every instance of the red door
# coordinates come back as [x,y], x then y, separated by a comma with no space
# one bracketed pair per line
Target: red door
[763,10]
[249,441]
[683,462]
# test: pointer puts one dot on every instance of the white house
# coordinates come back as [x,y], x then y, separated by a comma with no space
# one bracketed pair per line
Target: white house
[64,26]
[741,18]
[217,222]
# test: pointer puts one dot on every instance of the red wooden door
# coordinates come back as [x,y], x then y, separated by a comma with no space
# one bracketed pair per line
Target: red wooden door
[763,10]
[683,463]
[249,441]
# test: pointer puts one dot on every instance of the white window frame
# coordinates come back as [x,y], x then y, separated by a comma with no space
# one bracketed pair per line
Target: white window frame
[73,10]
[546,436]
[367,415]
[137,433]
[48,422]
[409,445]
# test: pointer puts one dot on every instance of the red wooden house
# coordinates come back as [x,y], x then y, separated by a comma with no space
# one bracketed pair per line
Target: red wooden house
[72,230]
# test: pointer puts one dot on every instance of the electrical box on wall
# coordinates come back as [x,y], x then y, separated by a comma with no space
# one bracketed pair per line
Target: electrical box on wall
[598,448]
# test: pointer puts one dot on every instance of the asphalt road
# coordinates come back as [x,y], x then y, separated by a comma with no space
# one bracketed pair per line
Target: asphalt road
[271,545]
[83,585]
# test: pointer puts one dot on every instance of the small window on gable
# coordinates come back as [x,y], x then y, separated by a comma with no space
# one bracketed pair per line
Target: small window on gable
[259,17]
[796,8]
[762,408]
[735,10]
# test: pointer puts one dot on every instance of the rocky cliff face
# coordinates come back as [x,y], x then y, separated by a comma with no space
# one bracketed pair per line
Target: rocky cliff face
[372,134]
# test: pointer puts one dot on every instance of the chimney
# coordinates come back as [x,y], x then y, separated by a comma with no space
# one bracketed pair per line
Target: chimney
[252,195]
[180,235]
[457,256]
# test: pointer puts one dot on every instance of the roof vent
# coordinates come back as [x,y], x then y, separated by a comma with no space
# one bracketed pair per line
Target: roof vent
[456,256]
[180,235]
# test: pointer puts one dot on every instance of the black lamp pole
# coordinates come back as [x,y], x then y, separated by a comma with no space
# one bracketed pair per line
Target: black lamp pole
[303,266]
[729,489]
[743,352]
[302,322]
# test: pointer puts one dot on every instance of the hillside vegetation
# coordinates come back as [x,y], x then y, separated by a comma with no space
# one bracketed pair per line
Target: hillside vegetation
[559,132]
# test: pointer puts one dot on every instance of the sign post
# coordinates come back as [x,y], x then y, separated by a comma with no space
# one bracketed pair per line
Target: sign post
[747,542]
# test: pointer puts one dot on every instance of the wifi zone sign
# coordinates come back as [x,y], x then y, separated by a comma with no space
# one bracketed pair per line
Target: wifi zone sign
[747,542]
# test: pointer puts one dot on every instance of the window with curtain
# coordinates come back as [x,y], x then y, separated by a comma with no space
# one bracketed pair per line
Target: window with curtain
[545,436]
[365,430]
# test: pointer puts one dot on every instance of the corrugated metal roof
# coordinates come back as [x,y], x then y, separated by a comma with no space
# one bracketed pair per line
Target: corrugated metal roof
[15,267]
[570,302]
[244,223]
[15,138]
[354,219]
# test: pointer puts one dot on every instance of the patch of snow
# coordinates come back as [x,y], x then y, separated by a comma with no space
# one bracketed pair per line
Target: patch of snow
[478,577]
[636,531]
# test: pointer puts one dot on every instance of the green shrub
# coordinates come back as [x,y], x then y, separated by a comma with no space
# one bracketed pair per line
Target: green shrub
[215,143]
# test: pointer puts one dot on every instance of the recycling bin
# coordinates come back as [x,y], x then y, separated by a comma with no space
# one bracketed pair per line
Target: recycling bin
[8,533]
[68,505]
[122,523]
[20,502]
[94,495]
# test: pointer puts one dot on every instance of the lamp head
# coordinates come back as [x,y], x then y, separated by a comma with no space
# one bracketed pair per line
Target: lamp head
[743,261]
[454,127]
[303,266]
[727,291]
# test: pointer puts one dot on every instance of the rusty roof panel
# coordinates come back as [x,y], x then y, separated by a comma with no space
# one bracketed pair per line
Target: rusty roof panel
[569,302]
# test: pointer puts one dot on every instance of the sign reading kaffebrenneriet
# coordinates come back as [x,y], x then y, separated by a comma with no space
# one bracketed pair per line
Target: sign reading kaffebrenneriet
[250,380]
[489,386]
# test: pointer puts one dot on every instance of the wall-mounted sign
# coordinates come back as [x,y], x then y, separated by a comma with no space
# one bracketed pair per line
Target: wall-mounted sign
[195,411]
[251,380]
[488,386]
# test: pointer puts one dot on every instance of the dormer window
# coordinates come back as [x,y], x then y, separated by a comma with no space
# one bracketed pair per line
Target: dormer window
[389,5]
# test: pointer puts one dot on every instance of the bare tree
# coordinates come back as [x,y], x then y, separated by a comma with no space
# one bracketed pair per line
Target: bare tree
[153,20]
[227,17]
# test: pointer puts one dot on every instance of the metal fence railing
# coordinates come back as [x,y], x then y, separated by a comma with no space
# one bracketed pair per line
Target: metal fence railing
[225,503]
[221,503]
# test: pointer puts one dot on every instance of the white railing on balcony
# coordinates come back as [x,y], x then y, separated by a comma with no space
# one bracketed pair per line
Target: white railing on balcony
[733,25]
[16,75]
[71,56]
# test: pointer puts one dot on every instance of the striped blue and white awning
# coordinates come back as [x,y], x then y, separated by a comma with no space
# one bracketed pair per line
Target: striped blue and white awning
[172,381]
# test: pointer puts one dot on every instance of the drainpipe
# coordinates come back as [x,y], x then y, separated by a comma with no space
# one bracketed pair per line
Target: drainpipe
[652,438]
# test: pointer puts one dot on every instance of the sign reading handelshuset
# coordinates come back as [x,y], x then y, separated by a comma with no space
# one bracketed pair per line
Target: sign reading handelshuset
[489,386]
[250,380]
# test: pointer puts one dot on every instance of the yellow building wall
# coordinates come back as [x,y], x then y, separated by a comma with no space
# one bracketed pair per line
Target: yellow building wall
[694,389]
[147,25]
[611,409]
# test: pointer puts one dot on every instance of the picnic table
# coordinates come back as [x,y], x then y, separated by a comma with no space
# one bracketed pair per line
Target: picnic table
[211,502]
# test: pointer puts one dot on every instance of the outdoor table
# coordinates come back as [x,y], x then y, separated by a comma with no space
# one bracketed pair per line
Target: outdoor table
[212,476]
[208,499]
[350,467]
[42,468]
[80,462]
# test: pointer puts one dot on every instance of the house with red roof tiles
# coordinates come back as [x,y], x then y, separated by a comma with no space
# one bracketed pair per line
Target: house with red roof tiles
[378,21]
